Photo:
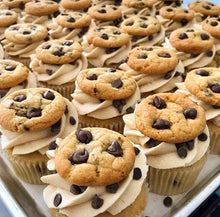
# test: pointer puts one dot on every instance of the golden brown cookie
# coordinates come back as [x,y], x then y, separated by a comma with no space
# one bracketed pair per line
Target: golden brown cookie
[204,83]
[59,51]
[139,3]
[31,109]
[105,12]
[25,33]
[41,7]
[88,156]
[107,36]
[205,7]
[170,117]
[73,19]
[106,83]
[75,4]
[191,40]
[212,25]
[12,73]
[7,18]
[141,25]
[15,3]
[152,59]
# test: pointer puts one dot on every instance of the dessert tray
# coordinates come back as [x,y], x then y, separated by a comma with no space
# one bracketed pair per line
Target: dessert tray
[25,200]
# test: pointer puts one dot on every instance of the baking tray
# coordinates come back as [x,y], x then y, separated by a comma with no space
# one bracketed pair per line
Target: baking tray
[25,200]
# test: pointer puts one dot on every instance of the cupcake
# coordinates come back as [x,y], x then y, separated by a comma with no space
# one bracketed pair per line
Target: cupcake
[21,40]
[106,46]
[171,130]
[194,47]
[70,25]
[83,185]
[102,96]
[202,86]
[30,121]
[154,68]
[40,12]
[14,76]
[144,30]
[56,64]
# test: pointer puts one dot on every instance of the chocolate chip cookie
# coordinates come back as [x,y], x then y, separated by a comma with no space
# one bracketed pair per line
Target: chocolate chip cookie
[139,3]
[31,109]
[212,25]
[75,4]
[88,156]
[7,17]
[15,3]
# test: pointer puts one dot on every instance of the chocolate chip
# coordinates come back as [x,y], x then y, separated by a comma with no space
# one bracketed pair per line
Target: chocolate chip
[111,70]
[209,53]
[97,202]
[216,106]
[147,48]
[136,150]
[143,25]
[55,128]
[48,95]
[182,152]
[115,149]
[129,23]
[47,46]
[118,104]
[102,11]
[95,90]
[159,103]
[184,22]
[150,37]
[112,188]
[26,32]
[164,55]
[71,20]
[169,9]
[79,156]
[10,68]
[20,98]
[215,87]
[49,71]
[52,145]
[84,136]
[57,200]
[129,110]
[202,137]
[142,56]
[33,112]
[183,36]
[167,75]
[151,143]
[117,83]
[92,77]
[190,30]
[111,50]
[207,7]
[14,29]
[190,113]
[67,43]
[204,36]
[137,174]
[214,23]
[58,53]
[104,36]
[56,13]
[167,201]
[2,93]
[190,145]
[76,189]
[72,120]
[161,124]
[116,32]
[202,72]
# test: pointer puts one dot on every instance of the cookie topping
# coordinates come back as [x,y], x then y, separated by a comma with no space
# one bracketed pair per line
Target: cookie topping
[182,152]
[104,36]
[111,70]
[47,46]
[115,149]
[164,55]
[10,68]
[142,56]
[209,53]
[72,120]
[202,72]
[79,156]
[183,36]
[202,137]
[76,189]
[71,20]
[20,98]
[55,129]
[118,104]
[190,113]
[167,201]
[137,173]
[112,188]
[117,83]
[97,202]
[52,145]
[67,43]
[214,23]
[92,77]
[33,112]
[159,103]
[48,95]
[204,36]
[215,87]
[190,145]
[136,150]
[57,200]
[84,136]
[129,110]
[161,124]
[151,143]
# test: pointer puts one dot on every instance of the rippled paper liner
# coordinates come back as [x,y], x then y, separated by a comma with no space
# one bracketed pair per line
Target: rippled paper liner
[25,61]
[29,167]
[214,132]
[136,209]
[174,181]
[65,90]
[115,124]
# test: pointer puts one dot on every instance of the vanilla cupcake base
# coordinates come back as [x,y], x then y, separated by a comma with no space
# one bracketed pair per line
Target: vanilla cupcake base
[214,132]
[134,210]
[174,181]
[115,123]
[29,167]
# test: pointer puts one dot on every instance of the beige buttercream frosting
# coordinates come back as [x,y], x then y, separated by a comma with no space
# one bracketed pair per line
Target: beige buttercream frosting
[80,205]
[29,142]
[93,107]
[58,74]
[164,155]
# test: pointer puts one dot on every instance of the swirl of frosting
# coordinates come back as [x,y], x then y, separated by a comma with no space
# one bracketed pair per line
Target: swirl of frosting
[29,142]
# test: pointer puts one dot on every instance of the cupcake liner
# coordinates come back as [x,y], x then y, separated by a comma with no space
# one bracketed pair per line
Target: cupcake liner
[65,90]
[174,181]
[214,132]
[25,61]
[217,60]
[29,167]
[115,124]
